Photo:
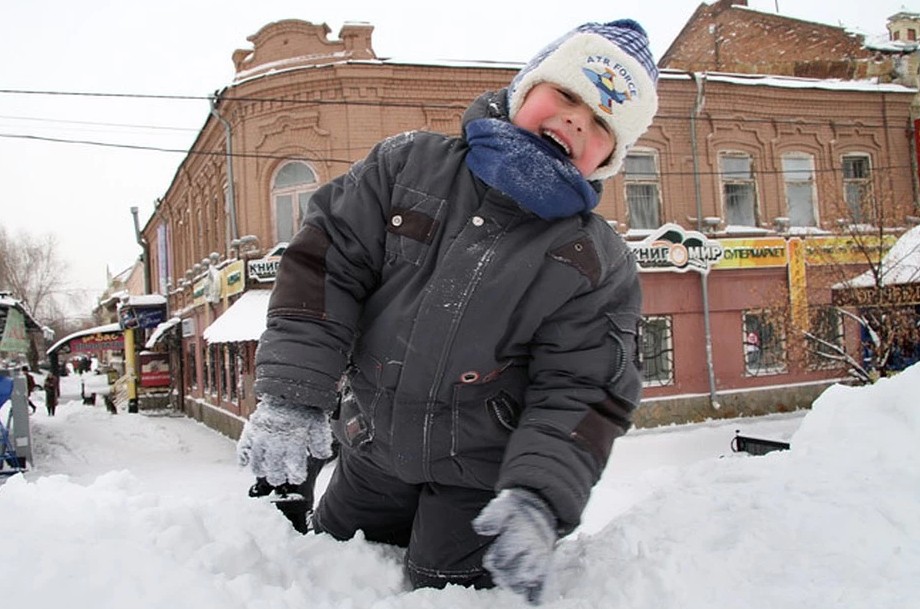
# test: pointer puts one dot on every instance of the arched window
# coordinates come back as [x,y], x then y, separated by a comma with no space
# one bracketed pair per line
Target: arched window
[292,188]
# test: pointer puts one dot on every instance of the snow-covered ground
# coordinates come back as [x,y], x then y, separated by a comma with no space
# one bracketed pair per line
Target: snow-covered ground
[150,510]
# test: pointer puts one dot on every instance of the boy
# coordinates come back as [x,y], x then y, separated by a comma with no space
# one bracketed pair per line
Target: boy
[484,319]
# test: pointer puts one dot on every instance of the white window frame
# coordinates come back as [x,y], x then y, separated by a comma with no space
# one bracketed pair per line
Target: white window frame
[737,181]
[857,189]
[798,181]
[295,194]
[644,214]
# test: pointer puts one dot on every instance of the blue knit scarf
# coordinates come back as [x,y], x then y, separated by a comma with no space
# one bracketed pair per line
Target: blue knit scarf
[528,169]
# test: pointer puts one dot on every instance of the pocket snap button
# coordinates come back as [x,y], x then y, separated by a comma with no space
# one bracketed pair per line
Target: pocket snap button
[469,377]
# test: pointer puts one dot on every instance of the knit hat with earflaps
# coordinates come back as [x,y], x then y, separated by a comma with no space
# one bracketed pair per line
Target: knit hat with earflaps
[608,65]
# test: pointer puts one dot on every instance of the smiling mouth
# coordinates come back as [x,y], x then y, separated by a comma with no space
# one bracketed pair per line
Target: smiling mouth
[553,139]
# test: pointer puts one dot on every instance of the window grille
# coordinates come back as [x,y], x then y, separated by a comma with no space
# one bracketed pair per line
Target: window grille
[656,352]
[764,342]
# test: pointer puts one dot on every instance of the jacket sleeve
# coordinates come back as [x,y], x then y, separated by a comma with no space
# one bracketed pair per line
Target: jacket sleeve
[585,384]
[325,274]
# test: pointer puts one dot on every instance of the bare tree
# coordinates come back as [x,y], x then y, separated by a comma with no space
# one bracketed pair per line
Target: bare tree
[859,284]
[32,270]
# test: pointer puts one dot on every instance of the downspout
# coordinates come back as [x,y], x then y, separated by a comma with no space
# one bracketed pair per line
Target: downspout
[231,196]
[700,79]
[145,248]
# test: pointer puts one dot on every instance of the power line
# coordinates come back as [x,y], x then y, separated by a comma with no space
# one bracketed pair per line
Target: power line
[214,153]
[96,123]
[325,159]
[440,105]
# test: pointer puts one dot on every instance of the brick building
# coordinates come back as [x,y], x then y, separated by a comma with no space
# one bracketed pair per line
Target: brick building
[762,170]
[726,36]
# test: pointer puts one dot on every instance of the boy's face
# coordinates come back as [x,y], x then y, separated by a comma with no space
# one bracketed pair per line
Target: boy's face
[558,115]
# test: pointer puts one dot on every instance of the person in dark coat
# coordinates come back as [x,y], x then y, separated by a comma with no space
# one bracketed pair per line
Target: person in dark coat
[30,387]
[481,320]
[51,393]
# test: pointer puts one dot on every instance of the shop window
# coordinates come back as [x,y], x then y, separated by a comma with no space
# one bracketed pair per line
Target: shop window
[826,325]
[739,192]
[231,379]
[191,366]
[764,343]
[642,188]
[799,181]
[292,188]
[857,187]
[214,368]
[656,351]
[206,369]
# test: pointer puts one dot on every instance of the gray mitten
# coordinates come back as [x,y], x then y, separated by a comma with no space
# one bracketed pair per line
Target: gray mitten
[278,438]
[519,558]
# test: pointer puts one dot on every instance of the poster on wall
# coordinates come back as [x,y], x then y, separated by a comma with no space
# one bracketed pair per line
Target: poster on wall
[154,369]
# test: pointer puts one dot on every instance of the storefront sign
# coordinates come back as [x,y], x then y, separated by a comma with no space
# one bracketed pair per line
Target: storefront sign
[752,253]
[671,248]
[132,316]
[154,369]
[188,327]
[233,278]
[96,343]
[198,293]
[886,296]
[857,249]
[265,269]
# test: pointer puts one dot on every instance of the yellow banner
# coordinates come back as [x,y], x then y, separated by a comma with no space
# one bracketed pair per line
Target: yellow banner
[798,298]
[858,249]
[233,278]
[753,252]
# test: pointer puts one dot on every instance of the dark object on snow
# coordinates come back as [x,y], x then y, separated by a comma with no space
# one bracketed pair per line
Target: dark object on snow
[89,400]
[295,501]
[756,446]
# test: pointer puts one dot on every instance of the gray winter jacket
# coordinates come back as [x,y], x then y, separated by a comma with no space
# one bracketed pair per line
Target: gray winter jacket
[485,347]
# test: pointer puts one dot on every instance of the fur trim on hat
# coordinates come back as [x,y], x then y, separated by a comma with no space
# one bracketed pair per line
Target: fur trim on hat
[610,67]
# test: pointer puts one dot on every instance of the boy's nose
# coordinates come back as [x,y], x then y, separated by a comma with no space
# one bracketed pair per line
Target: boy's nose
[579,118]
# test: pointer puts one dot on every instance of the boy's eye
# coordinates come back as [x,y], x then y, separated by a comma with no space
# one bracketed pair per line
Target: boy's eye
[602,123]
[569,96]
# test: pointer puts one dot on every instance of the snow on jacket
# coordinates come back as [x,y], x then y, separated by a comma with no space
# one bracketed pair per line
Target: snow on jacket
[484,347]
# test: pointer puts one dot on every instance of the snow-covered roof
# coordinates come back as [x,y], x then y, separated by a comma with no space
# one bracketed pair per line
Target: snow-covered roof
[794,82]
[145,300]
[87,332]
[243,321]
[899,266]
[8,302]
[160,330]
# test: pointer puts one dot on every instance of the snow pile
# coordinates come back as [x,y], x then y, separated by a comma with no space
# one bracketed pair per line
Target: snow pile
[830,523]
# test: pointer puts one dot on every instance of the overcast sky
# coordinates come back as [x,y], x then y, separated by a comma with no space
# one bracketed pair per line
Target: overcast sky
[82,193]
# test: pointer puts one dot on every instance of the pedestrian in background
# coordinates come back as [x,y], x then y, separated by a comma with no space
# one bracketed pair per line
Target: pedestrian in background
[51,393]
[30,387]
